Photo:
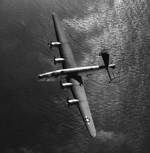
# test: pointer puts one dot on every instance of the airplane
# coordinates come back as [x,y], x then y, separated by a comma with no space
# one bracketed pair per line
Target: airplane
[73,74]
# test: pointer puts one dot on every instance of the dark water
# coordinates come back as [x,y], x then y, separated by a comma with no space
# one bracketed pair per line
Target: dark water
[34,117]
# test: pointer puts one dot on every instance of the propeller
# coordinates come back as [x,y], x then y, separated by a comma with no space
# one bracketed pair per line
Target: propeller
[49,44]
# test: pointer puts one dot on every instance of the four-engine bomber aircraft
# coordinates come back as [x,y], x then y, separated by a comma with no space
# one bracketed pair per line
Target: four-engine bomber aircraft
[73,74]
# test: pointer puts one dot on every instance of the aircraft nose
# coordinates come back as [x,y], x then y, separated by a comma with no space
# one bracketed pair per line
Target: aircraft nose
[41,77]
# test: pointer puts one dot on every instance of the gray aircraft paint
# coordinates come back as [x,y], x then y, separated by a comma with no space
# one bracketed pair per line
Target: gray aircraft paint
[77,88]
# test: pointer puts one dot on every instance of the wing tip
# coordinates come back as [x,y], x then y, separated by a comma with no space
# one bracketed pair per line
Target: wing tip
[93,134]
[53,14]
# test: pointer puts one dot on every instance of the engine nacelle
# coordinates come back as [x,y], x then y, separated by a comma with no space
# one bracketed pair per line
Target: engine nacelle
[54,44]
[65,85]
[71,102]
[112,66]
[58,60]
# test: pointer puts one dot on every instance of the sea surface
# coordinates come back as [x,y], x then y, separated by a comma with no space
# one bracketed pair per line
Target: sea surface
[34,117]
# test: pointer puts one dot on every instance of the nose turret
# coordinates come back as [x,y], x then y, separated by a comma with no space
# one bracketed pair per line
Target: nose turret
[42,77]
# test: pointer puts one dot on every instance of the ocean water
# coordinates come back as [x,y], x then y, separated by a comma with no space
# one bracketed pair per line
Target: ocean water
[34,116]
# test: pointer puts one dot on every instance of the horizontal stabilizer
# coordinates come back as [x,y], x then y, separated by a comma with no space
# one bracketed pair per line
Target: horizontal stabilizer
[105,57]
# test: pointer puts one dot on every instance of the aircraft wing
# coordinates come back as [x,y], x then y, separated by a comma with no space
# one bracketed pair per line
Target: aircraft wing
[80,94]
[66,55]
[74,81]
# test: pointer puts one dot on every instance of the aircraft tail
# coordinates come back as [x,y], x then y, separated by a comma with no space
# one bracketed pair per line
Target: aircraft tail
[106,59]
